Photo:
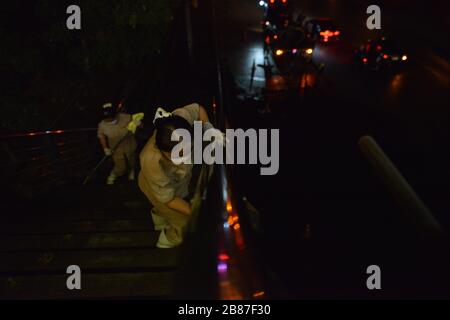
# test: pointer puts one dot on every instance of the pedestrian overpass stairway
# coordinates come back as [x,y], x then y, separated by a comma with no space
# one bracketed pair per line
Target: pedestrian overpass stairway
[105,230]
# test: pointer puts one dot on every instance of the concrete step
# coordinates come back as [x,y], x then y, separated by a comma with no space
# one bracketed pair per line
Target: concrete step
[104,260]
[80,226]
[72,241]
[105,286]
[121,211]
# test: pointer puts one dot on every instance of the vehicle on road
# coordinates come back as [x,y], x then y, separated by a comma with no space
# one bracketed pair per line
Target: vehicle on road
[323,30]
[278,15]
[380,53]
[292,45]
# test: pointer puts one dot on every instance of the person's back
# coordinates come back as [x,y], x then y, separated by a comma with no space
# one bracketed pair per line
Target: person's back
[165,183]
[117,142]
[116,130]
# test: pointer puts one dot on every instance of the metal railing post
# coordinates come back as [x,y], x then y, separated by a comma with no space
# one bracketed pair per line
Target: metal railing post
[416,211]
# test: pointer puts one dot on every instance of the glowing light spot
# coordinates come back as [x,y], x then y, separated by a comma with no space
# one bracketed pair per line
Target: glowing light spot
[229,207]
[222,267]
[224,257]
[396,84]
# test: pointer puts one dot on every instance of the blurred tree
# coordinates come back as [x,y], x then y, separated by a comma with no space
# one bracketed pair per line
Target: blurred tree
[44,63]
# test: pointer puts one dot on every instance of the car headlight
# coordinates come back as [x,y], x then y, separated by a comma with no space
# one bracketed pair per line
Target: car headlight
[309,51]
[279,52]
[404,57]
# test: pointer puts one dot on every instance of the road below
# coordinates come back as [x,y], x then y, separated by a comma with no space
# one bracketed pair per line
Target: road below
[326,214]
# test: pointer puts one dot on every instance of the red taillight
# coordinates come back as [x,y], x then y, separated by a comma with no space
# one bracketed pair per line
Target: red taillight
[224,257]
[329,34]
[365,60]
[385,56]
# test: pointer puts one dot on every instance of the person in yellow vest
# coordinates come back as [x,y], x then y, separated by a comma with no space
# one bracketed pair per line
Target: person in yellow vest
[118,142]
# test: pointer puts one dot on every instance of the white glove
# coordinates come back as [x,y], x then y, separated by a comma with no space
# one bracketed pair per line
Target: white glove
[108,152]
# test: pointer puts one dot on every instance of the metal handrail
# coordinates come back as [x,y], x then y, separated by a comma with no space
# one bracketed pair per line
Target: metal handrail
[240,274]
[33,158]
[41,133]
[218,260]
